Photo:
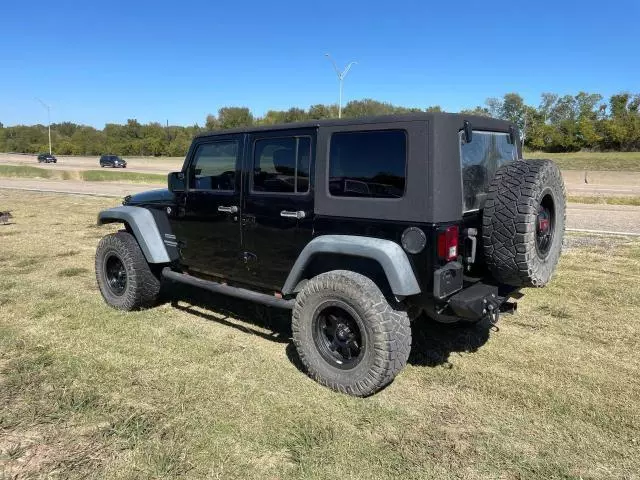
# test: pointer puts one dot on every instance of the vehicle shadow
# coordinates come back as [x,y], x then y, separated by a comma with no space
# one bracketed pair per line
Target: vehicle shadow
[230,311]
[432,345]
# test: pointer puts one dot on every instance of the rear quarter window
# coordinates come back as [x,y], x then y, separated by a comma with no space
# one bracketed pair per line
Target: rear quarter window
[368,164]
[480,159]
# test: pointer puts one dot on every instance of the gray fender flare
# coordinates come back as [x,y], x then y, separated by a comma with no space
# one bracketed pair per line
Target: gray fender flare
[143,227]
[388,254]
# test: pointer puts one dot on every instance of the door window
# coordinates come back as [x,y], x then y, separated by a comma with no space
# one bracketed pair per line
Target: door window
[214,166]
[281,165]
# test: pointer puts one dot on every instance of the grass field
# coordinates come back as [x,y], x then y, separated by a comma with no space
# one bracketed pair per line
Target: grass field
[623,161]
[604,200]
[25,171]
[205,387]
[132,177]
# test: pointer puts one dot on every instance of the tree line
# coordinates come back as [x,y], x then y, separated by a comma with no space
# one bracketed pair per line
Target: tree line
[558,124]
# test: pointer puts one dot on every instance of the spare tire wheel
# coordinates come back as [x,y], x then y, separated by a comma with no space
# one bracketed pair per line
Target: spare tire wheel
[523,222]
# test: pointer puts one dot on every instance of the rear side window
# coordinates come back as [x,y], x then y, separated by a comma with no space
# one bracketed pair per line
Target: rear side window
[281,165]
[368,164]
[480,159]
[214,166]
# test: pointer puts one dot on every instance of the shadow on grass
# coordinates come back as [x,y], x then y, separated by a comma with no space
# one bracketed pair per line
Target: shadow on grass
[277,321]
[433,343]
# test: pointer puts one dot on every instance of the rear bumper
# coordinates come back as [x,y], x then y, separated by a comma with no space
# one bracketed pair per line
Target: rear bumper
[457,298]
[481,300]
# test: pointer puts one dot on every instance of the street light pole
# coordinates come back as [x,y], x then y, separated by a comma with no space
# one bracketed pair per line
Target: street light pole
[341,76]
[48,107]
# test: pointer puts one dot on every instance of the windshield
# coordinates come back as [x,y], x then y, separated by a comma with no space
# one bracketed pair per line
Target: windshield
[480,160]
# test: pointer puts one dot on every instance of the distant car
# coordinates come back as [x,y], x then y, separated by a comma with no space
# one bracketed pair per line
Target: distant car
[112,161]
[47,158]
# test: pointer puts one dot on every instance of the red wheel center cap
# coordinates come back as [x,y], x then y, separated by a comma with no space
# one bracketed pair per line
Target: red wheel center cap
[543,224]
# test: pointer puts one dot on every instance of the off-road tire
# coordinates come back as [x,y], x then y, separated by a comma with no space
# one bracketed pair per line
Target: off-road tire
[142,285]
[386,327]
[510,220]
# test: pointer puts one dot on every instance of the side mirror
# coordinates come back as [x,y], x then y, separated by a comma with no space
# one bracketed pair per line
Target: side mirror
[468,132]
[176,182]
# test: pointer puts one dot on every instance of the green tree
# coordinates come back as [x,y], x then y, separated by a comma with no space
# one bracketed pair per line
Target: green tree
[234,117]
[320,111]
[211,122]
[367,107]
[480,111]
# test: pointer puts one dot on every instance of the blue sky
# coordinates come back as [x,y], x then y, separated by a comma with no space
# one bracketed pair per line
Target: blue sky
[99,62]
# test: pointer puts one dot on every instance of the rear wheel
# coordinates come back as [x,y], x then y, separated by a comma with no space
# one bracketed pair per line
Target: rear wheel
[123,274]
[348,336]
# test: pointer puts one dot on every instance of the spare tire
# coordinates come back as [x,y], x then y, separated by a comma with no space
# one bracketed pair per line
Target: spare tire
[523,222]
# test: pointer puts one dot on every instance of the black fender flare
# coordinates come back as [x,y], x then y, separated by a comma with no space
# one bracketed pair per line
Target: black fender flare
[388,254]
[144,229]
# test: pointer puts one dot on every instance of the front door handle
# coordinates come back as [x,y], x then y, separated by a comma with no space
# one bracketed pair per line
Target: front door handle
[300,214]
[231,209]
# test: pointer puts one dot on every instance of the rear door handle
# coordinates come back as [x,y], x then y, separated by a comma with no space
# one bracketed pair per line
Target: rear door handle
[300,214]
[231,209]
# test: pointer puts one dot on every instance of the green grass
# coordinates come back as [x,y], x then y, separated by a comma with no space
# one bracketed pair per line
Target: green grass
[210,387]
[593,199]
[25,171]
[133,177]
[617,161]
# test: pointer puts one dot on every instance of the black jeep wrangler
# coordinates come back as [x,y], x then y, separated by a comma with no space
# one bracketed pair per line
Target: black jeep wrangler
[358,226]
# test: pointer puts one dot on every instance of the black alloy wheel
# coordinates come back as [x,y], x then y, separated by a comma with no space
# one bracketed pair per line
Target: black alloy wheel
[337,335]
[545,225]
[115,274]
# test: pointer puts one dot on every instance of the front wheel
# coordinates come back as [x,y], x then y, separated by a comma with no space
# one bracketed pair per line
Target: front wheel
[347,335]
[124,277]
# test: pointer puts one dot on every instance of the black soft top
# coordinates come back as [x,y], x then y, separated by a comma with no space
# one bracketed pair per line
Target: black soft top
[434,189]
[478,122]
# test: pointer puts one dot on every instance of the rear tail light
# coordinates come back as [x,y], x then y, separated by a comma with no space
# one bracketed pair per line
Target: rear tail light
[448,244]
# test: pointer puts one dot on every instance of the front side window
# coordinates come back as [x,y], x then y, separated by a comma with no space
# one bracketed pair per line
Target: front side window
[214,166]
[368,164]
[480,160]
[281,165]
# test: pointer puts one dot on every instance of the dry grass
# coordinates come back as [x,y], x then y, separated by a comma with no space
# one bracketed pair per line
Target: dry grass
[210,388]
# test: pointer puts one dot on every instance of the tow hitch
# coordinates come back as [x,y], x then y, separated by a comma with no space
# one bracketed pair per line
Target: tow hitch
[481,301]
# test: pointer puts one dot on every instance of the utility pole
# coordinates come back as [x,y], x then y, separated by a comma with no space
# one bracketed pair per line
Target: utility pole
[48,107]
[341,76]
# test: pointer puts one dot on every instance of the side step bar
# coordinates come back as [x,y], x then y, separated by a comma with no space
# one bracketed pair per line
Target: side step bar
[228,290]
